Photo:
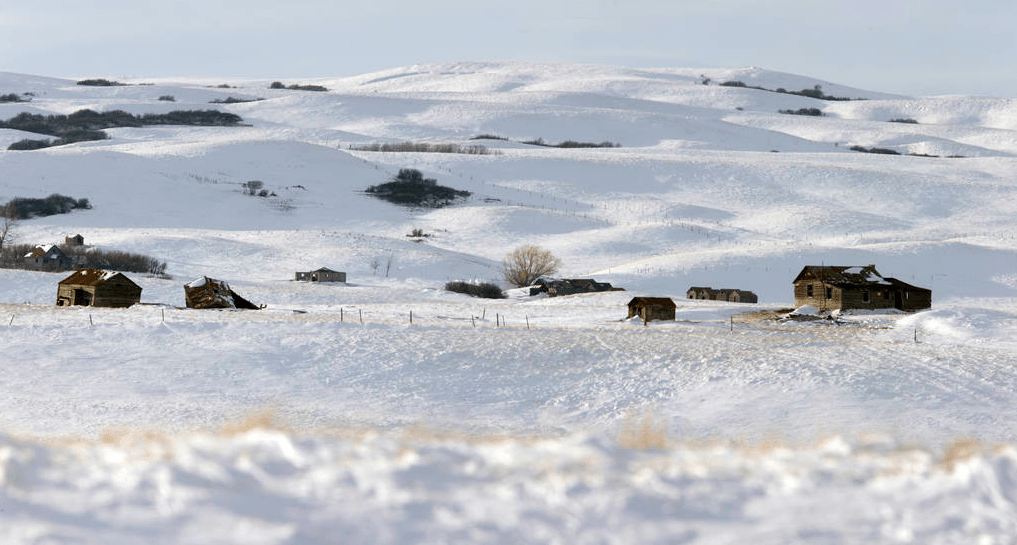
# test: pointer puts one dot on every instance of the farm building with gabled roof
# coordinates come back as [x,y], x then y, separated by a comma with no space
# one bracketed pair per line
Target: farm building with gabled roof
[321,275]
[652,308]
[97,288]
[858,287]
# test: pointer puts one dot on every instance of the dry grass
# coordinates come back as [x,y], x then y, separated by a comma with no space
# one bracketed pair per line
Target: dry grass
[960,451]
[643,434]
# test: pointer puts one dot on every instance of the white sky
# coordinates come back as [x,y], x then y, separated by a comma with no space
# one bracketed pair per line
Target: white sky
[920,47]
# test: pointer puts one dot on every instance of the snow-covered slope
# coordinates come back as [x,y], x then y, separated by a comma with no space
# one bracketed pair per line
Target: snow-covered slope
[527,419]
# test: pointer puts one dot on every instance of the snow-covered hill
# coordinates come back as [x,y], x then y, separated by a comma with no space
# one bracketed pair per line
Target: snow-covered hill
[524,419]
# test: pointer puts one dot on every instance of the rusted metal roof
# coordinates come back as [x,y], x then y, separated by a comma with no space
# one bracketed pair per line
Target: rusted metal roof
[93,277]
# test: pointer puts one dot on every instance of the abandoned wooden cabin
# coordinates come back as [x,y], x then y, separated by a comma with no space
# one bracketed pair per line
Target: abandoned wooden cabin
[723,294]
[209,293]
[570,286]
[321,275]
[47,258]
[97,288]
[862,288]
[652,308]
[76,240]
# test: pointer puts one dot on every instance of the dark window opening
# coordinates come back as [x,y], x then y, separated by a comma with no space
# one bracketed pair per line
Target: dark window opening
[865,297]
[808,290]
[829,293]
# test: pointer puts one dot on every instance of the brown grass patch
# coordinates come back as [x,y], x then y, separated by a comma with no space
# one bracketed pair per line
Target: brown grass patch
[960,451]
[644,434]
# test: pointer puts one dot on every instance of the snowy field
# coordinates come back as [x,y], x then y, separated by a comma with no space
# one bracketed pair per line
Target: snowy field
[328,417]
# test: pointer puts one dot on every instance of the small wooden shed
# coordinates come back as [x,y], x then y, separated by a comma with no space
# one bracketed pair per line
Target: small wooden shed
[321,275]
[97,288]
[652,308]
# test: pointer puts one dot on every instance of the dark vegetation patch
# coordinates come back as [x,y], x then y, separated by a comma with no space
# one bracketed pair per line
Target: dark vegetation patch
[28,208]
[815,92]
[295,87]
[803,111]
[13,257]
[233,100]
[541,142]
[85,125]
[904,120]
[486,290]
[410,188]
[572,144]
[99,82]
[12,97]
[884,151]
[426,148]
[168,98]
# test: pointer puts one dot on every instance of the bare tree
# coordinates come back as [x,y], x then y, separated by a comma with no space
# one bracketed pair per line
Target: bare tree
[526,264]
[8,219]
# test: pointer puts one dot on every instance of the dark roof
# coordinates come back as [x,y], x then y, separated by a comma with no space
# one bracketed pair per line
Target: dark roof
[643,301]
[94,277]
[856,276]
[842,275]
[325,269]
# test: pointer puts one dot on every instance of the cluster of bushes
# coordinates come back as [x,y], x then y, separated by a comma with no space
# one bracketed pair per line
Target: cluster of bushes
[27,208]
[904,120]
[233,100]
[99,82]
[486,290]
[803,111]
[255,188]
[12,97]
[84,125]
[426,148]
[294,87]
[410,188]
[572,144]
[69,137]
[815,92]
[168,98]
[884,151]
[541,142]
[12,257]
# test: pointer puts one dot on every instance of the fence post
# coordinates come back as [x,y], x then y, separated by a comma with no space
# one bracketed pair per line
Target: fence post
[164,316]
[527,322]
[12,320]
[341,314]
[361,315]
[411,316]
[473,320]
[90,320]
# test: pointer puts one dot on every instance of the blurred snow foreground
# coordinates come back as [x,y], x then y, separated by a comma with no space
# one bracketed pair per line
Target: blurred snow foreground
[423,485]
[400,412]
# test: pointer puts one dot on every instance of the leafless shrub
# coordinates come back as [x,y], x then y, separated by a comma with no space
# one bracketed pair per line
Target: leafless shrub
[528,263]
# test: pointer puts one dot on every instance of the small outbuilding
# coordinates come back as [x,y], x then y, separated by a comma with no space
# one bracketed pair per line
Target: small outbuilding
[47,258]
[723,294]
[652,308]
[97,288]
[76,240]
[209,293]
[321,275]
[859,287]
[569,286]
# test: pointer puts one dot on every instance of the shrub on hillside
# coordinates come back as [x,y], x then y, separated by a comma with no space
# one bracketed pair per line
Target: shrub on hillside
[571,144]
[803,111]
[11,97]
[884,151]
[485,290]
[27,144]
[168,98]
[488,137]
[295,87]
[904,120]
[426,148]
[233,100]
[410,188]
[56,203]
[99,82]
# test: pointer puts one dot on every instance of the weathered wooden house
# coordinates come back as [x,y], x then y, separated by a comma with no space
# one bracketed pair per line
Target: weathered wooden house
[321,275]
[652,308]
[76,240]
[844,288]
[47,258]
[209,293]
[97,288]
[569,286]
[723,294]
